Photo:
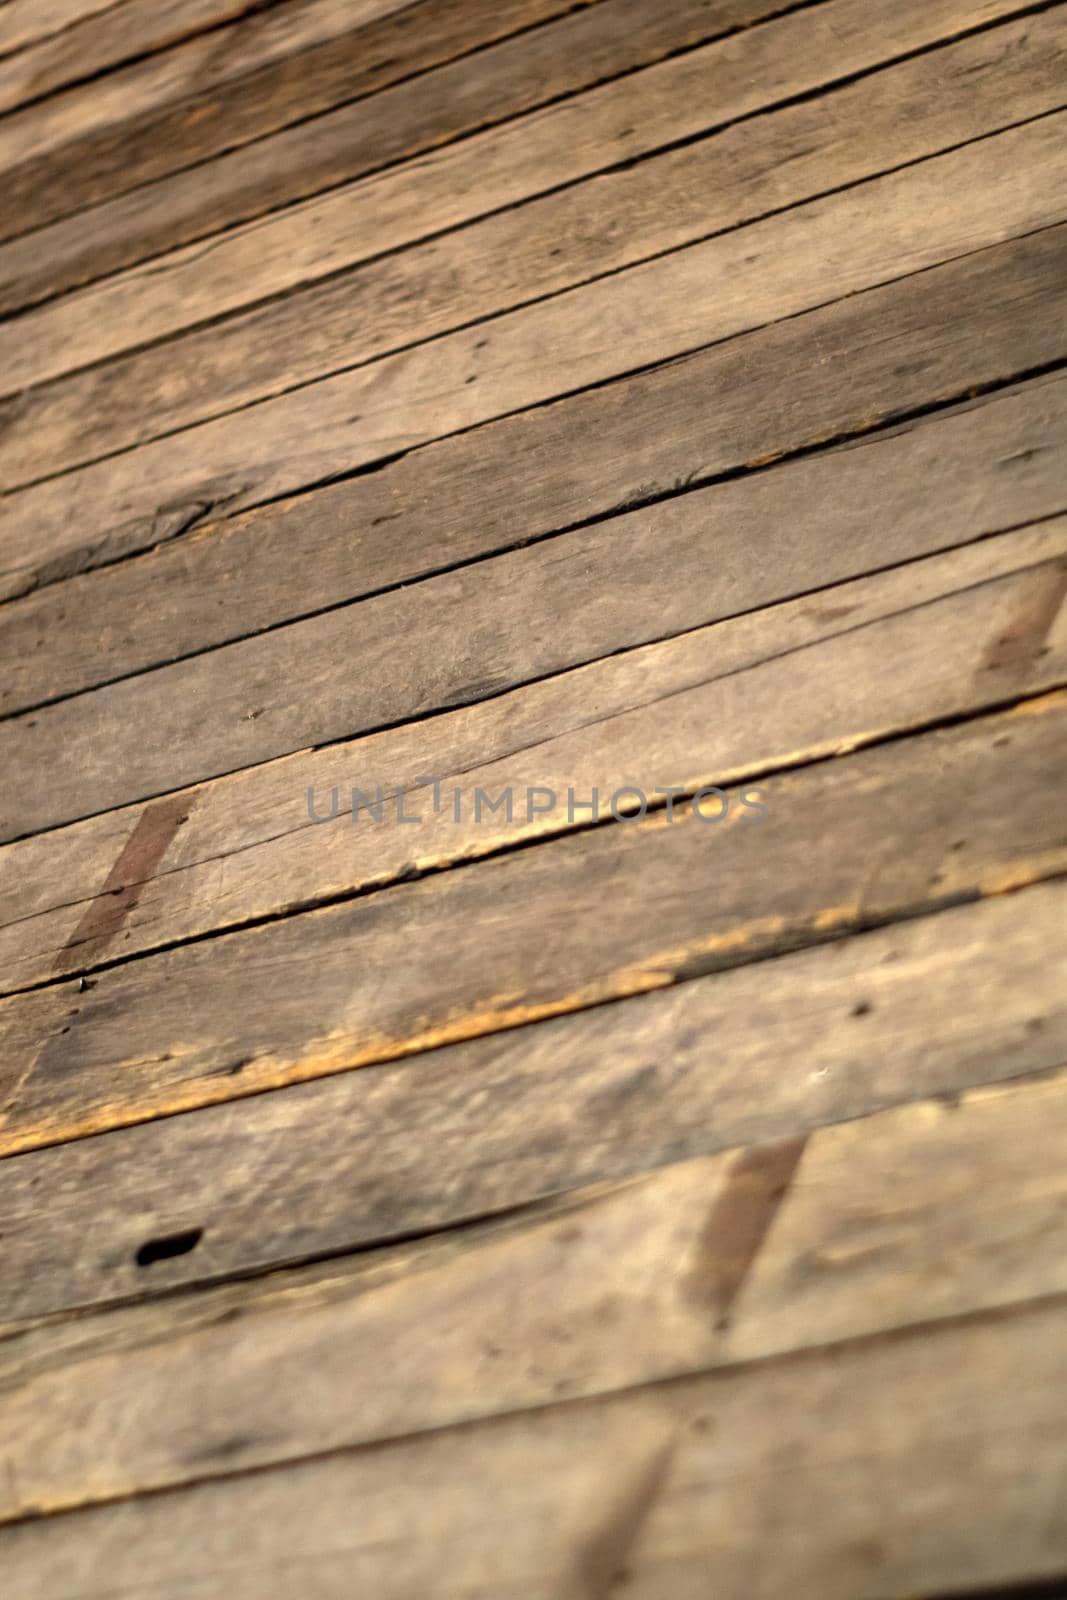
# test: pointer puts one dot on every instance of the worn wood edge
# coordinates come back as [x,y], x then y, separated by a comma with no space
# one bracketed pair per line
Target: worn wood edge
[929,1007]
[499,997]
[739,1258]
[279,691]
[1008,590]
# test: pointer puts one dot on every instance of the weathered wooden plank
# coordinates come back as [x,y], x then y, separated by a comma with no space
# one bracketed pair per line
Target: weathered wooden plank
[70,125]
[163,214]
[291,63]
[971,87]
[778,686]
[823,374]
[982,194]
[849,1231]
[175,210]
[463,635]
[24,22]
[800,680]
[103,36]
[593,916]
[866,1461]
[932,1006]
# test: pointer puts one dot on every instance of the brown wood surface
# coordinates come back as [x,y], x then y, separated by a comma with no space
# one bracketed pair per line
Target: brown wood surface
[972,87]
[828,373]
[95,36]
[868,1460]
[462,636]
[801,680]
[542,931]
[159,216]
[291,63]
[776,686]
[984,193]
[709,1264]
[24,22]
[524,254]
[760,1053]
[591,404]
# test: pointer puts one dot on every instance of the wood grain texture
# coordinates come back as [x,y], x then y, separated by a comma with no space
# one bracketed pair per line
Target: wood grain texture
[774,687]
[541,931]
[756,1054]
[867,1460]
[24,22]
[827,373]
[461,636]
[802,680]
[884,229]
[160,216]
[291,63]
[969,88]
[102,38]
[702,1265]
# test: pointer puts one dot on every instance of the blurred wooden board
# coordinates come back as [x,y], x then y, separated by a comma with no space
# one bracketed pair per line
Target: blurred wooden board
[691,1268]
[545,470]
[674,1486]
[541,931]
[583,404]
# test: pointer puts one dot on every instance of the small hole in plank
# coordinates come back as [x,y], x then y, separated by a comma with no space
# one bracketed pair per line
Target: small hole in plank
[175,1244]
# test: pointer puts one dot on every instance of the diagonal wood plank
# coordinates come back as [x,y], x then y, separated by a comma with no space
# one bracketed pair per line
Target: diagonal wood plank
[866,1459]
[1004,74]
[542,931]
[704,1265]
[257,178]
[965,630]
[778,686]
[24,22]
[464,635]
[173,210]
[760,1053]
[287,64]
[821,375]
[103,36]
[984,193]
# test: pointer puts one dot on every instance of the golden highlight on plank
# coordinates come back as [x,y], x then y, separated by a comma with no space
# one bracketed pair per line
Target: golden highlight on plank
[533,733]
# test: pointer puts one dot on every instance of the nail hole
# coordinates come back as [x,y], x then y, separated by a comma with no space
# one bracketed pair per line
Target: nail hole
[862,1008]
[174,1244]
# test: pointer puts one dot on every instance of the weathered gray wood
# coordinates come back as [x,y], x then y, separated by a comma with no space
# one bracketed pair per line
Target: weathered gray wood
[161,215]
[107,33]
[292,62]
[726,702]
[703,1265]
[461,636]
[824,374]
[760,1053]
[590,917]
[928,1460]
[986,192]
[969,88]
